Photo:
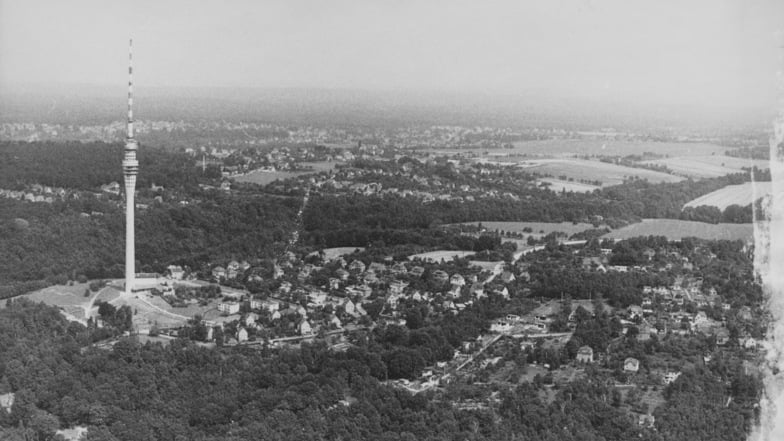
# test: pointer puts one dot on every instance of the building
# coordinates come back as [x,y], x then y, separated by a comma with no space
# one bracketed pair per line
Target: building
[242,335]
[631,365]
[304,328]
[457,280]
[229,307]
[670,377]
[176,272]
[130,167]
[585,354]
[357,266]
[219,273]
[397,287]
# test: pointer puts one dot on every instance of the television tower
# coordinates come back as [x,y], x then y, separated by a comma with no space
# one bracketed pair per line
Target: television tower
[130,168]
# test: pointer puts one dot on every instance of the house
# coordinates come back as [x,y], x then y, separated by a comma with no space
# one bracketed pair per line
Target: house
[219,273]
[304,328]
[507,277]
[242,335]
[342,274]
[457,280]
[250,319]
[501,326]
[670,377]
[399,269]
[370,278]
[646,330]
[585,354]
[349,307]
[317,298]
[7,401]
[635,311]
[377,267]
[229,307]
[749,343]
[397,287]
[277,272]
[334,322]
[417,271]
[440,276]
[631,365]
[112,187]
[356,266]
[646,420]
[334,283]
[255,303]
[285,287]
[722,337]
[175,272]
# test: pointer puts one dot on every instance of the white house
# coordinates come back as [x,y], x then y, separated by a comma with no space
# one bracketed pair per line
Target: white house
[631,365]
[242,335]
[229,307]
[305,328]
[585,354]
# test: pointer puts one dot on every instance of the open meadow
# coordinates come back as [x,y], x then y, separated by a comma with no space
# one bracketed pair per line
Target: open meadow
[678,229]
[581,147]
[709,166]
[265,177]
[593,171]
[537,228]
[741,194]
[437,256]
[333,253]
[558,186]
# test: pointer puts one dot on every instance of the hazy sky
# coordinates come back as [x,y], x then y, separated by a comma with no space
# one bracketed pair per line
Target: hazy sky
[700,51]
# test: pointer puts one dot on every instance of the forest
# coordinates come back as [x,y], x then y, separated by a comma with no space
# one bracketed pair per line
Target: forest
[55,243]
[181,391]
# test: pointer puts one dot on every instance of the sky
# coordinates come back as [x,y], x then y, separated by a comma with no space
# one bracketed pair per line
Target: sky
[698,51]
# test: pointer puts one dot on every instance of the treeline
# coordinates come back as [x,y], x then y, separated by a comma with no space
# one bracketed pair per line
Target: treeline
[87,166]
[150,392]
[348,214]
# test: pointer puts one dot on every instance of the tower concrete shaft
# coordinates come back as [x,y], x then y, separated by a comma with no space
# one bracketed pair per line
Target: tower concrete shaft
[130,168]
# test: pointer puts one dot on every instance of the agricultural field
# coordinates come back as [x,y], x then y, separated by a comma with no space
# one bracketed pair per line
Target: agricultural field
[591,171]
[437,256]
[565,148]
[581,147]
[707,166]
[741,194]
[264,178]
[678,229]
[558,185]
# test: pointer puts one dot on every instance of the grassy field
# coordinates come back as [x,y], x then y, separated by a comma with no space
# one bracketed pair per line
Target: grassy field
[580,169]
[581,147]
[331,253]
[678,229]
[558,185]
[732,194]
[538,228]
[707,166]
[437,256]
[264,178]
[611,148]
